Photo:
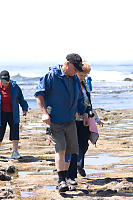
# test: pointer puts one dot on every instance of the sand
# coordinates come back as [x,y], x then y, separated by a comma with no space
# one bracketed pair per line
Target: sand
[109,166]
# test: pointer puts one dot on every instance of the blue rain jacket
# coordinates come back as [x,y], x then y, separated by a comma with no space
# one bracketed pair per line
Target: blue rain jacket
[17,99]
[63,98]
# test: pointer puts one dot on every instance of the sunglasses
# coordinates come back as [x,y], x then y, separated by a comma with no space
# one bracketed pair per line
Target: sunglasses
[6,83]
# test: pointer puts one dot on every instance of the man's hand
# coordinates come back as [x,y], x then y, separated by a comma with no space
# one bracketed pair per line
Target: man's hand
[25,112]
[46,118]
[45,115]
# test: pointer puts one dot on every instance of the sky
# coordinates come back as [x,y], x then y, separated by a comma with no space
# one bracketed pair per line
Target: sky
[48,30]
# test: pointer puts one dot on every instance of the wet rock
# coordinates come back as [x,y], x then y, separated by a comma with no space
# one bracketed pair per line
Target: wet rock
[128,79]
[6,193]
[105,119]
[129,179]
[108,180]
[124,186]
[104,168]
[3,159]
[28,159]
[11,169]
[108,192]
[2,169]
[4,176]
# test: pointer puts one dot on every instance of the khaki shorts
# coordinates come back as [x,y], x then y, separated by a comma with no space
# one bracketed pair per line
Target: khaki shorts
[64,137]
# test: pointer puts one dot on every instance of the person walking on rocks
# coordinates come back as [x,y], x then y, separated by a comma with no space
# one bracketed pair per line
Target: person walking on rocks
[60,90]
[10,98]
[84,133]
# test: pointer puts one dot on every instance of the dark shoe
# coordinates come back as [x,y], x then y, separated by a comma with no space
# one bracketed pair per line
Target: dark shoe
[62,186]
[71,181]
[81,171]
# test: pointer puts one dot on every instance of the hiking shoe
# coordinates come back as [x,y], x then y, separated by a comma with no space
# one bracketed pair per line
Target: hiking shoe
[69,188]
[71,181]
[15,155]
[81,171]
[62,186]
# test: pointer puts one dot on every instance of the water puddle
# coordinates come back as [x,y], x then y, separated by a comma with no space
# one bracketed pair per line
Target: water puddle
[49,187]
[34,131]
[34,125]
[129,166]
[35,173]
[114,128]
[28,194]
[5,145]
[103,159]
[130,120]
[110,136]
[95,171]
[125,126]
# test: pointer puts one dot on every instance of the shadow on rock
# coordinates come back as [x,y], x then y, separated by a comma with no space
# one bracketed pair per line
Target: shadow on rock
[103,181]
[106,193]
[29,159]
[81,193]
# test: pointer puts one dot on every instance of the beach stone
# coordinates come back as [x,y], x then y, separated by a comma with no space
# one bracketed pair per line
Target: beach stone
[11,169]
[124,186]
[6,193]
[105,119]
[4,176]
[128,79]
[129,179]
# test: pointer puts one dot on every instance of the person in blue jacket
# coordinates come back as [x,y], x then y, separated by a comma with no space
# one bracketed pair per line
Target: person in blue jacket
[10,98]
[60,91]
[89,80]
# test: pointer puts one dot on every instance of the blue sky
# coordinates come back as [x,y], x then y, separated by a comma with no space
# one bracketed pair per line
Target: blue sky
[47,30]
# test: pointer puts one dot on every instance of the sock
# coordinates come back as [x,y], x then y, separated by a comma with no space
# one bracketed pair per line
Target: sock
[62,175]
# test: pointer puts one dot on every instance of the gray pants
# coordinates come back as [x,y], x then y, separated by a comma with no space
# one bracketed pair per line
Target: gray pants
[64,137]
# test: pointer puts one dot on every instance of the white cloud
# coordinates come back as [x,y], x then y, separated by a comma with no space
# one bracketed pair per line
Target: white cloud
[43,30]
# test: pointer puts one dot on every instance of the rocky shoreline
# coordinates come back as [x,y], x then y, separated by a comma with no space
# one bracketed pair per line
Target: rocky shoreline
[109,166]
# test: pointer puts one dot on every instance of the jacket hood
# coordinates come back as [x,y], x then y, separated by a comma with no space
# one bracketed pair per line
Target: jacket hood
[13,83]
[58,71]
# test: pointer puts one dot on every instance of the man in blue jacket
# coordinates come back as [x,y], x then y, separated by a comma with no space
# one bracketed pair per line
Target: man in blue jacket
[60,90]
[10,98]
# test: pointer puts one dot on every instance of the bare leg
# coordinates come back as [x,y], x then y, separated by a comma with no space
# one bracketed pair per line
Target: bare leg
[67,165]
[60,161]
[15,145]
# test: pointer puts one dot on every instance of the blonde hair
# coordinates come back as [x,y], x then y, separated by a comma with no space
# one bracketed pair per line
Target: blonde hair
[86,68]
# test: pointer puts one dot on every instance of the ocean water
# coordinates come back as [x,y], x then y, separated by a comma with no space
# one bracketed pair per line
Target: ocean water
[110,91]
